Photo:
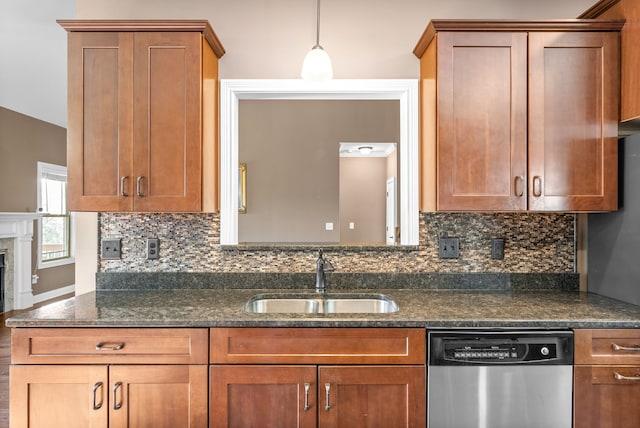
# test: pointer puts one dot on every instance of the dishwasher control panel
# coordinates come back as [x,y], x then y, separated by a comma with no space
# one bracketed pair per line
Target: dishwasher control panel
[472,347]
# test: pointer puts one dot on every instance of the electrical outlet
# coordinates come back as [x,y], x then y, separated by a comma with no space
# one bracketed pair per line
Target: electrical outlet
[449,248]
[153,248]
[497,248]
[110,249]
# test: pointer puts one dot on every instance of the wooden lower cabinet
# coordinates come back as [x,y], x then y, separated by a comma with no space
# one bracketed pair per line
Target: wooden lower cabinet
[87,396]
[59,396]
[317,377]
[317,396]
[262,396]
[603,400]
[371,396]
[109,377]
[607,378]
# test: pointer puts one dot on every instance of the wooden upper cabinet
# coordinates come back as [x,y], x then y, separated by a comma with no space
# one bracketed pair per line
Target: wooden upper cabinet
[519,115]
[628,10]
[142,132]
[573,121]
[482,89]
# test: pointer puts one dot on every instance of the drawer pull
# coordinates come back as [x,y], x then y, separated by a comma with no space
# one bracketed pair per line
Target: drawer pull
[96,386]
[327,391]
[117,405]
[306,396]
[618,376]
[617,347]
[106,346]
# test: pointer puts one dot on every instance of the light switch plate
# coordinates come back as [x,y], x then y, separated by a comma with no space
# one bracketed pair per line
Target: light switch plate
[110,249]
[449,248]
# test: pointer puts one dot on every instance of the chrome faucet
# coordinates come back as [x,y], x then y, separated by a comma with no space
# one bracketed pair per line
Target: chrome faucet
[322,266]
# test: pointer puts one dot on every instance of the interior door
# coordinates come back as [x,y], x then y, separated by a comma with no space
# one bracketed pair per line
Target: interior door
[392,209]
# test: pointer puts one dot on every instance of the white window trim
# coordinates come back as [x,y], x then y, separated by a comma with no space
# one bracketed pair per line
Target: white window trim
[57,169]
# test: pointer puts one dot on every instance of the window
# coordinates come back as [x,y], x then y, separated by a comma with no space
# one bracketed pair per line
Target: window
[55,226]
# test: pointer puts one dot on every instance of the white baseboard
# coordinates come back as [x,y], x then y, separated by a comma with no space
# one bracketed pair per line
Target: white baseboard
[48,295]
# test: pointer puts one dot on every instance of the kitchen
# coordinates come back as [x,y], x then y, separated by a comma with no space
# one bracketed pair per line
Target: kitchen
[526,232]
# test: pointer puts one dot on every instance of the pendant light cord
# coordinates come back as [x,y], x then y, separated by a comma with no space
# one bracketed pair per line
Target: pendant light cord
[318,25]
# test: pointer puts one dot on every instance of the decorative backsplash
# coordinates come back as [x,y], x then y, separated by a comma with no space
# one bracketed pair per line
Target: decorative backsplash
[537,243]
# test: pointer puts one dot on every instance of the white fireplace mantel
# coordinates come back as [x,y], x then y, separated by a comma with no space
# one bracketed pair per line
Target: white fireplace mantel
[20,227]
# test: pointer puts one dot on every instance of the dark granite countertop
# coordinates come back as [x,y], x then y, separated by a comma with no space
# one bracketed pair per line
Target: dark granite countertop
[418,308]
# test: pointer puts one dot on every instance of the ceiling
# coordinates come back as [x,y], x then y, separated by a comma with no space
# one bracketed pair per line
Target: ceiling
[33,51]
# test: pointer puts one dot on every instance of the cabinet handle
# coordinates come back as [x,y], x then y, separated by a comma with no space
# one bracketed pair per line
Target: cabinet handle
[618,376]
[327,389]
[306,396]
[518,186]
[96,386]
[537,186]
[106,346]
[117,405]
[139,185]
[617,347]
[123,182]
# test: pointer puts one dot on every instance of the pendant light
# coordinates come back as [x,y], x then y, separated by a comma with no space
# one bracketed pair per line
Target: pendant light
[317,64]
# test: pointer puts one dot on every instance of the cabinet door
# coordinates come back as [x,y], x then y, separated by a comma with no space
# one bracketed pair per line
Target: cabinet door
[263,396]
[482,121]
[158,396]
[603,401]
[371,396]
[58,396]
[100,118]
[573,121]
[167,121]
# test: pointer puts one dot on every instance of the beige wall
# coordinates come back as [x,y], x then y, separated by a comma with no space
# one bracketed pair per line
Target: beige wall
[365,38]
[363,200]
[291,150]
[23,142]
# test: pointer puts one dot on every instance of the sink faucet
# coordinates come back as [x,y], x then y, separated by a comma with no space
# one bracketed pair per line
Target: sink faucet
[322,266]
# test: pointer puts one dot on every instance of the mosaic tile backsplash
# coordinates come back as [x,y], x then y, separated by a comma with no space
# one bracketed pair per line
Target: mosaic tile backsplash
[538,243]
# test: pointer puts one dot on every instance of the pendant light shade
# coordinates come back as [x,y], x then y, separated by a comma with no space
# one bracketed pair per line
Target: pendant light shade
[317,64]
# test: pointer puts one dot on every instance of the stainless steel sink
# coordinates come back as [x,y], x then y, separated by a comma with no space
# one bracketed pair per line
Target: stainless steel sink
[321,304]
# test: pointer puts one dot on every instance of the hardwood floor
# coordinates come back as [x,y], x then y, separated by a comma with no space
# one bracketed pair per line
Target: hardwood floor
[5,359]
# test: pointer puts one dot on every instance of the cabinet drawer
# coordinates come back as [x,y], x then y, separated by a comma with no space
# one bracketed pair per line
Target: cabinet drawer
[318,345]
[109,345]
[607,346]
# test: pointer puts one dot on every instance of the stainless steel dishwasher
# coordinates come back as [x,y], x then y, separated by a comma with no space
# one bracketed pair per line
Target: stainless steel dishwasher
[500,379]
